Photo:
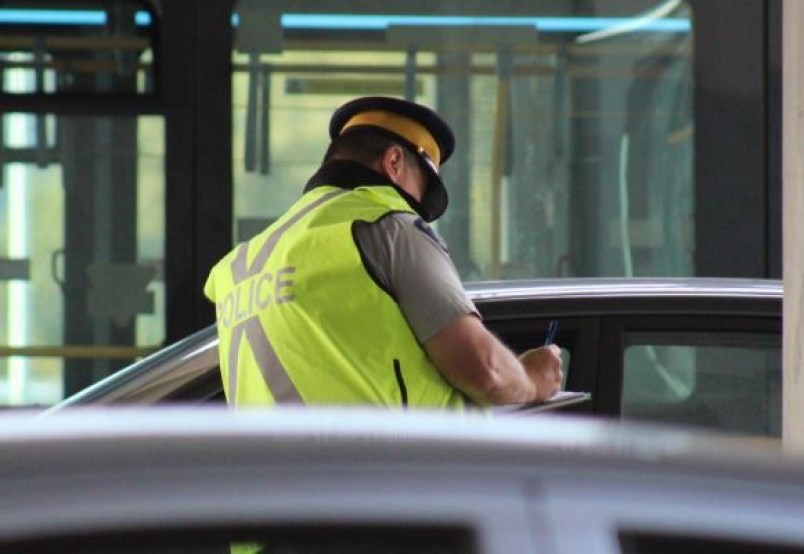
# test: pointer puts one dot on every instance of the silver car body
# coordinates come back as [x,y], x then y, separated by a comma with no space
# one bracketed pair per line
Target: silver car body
[547,483]
[517,311]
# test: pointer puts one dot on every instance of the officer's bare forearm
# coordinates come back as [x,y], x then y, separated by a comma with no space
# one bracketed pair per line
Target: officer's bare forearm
[477,363]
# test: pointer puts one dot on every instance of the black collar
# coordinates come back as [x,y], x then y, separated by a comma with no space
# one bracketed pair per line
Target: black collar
[348,174]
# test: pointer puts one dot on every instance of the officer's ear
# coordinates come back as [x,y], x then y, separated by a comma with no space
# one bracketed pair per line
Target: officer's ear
[392,162]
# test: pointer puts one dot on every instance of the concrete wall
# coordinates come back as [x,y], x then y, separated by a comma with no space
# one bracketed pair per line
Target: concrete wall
[793,206]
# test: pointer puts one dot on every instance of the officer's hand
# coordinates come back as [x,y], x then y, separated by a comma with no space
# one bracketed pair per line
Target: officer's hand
[543,366]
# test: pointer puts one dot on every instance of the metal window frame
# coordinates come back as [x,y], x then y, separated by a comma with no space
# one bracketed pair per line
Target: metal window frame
[737,138]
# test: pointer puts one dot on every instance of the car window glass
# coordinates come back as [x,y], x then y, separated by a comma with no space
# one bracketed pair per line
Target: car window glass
[566,359]
[660,543]
[726,382]
[301,539]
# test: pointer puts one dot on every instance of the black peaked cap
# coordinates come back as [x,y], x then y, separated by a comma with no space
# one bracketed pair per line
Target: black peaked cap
[438,132]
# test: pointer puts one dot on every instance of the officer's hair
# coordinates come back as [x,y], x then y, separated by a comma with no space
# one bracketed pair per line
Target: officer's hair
[365,146]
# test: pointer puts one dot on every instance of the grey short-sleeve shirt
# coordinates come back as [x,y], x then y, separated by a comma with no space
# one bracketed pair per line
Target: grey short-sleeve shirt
[408,259]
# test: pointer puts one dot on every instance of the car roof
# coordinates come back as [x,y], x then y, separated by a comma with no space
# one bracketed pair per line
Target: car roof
[620,287]
[187,470]
[477,431]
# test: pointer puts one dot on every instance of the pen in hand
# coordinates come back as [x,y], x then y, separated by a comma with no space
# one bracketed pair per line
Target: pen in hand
[550,335]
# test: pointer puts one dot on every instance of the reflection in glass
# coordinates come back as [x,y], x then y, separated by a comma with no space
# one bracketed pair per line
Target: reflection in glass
[82,227]
[94,47]
[574,124]
[725,382]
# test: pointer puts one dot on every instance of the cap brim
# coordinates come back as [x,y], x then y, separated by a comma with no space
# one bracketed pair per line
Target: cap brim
[435,199]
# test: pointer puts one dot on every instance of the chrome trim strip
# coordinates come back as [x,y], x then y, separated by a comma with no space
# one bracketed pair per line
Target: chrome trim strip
[619,288]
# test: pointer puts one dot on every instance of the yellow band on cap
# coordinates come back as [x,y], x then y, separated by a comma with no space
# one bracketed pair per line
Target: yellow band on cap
[408,129]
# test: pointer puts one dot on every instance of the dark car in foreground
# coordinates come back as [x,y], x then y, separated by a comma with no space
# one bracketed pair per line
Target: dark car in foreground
[697,352]
[175,480]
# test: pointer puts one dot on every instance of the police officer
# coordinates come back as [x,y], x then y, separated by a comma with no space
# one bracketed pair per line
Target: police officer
[351,297]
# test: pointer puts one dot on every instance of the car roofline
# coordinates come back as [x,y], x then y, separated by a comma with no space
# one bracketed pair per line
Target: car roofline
[607,287]
[363,424]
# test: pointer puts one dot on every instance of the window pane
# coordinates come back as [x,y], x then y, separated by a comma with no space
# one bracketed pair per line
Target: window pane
[304,538]
[574,122]
[68,47]
[81,249]
[730,383]
[641,542]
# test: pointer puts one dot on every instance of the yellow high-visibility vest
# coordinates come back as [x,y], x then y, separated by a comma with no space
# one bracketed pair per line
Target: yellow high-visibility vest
[300,320]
